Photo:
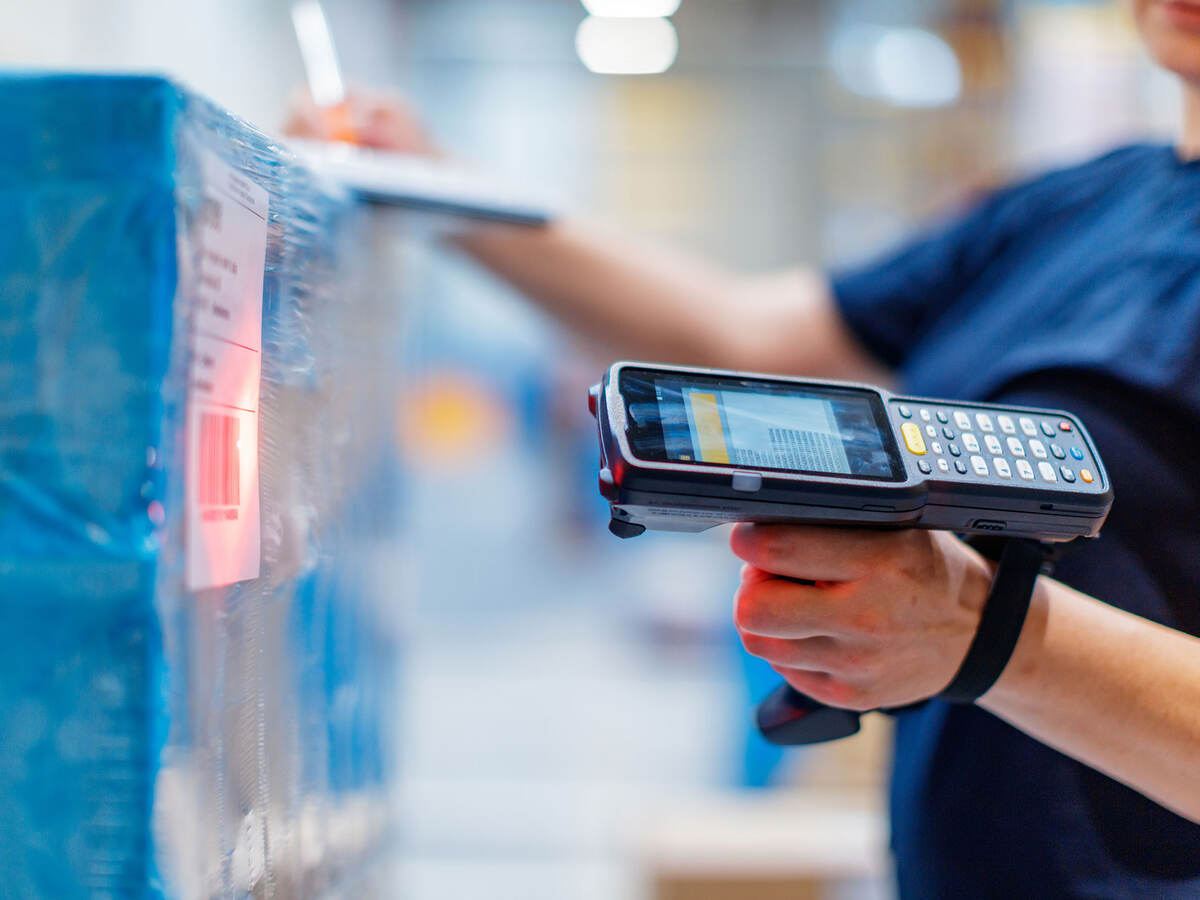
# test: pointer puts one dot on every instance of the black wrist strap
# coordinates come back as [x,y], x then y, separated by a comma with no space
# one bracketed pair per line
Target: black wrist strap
[1001,622]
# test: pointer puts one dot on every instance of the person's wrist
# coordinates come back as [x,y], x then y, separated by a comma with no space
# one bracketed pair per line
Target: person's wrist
[972,599]
[1024,664]
[999,622]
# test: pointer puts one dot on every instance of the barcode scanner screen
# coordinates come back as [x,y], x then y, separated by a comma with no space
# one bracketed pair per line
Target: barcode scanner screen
[219,469]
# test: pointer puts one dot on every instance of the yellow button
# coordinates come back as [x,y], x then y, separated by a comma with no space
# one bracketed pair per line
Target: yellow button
[1086,475]
[912,437]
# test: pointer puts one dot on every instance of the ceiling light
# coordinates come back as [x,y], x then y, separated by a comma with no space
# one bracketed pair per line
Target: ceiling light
[631,9]
[903,66]
[626,46]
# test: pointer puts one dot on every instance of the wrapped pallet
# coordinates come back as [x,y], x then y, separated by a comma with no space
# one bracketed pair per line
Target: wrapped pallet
[198,644]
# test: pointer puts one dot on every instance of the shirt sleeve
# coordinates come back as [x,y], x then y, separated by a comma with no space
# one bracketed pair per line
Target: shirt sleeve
[890,302]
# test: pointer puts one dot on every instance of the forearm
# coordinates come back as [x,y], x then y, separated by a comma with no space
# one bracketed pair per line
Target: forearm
[654,303]
[1115,691]
[643,301]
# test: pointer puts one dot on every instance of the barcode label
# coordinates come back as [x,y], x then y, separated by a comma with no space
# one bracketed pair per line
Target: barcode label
[229,243]
[219,467]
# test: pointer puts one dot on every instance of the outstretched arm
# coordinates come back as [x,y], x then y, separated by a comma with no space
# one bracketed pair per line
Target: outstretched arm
[648,301]
[638,298]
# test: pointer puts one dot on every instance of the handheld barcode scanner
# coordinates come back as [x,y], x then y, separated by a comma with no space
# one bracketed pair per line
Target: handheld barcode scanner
[685,449]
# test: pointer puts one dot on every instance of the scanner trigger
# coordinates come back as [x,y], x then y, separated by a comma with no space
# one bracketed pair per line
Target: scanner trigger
[625,529]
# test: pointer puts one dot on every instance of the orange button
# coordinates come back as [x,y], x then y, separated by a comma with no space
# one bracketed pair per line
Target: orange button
[1064,425]
[1086,475]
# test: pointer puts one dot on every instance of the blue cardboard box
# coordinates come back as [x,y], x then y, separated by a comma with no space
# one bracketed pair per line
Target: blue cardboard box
[186,711]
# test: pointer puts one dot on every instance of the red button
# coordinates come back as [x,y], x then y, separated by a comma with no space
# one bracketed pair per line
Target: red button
[1065,426]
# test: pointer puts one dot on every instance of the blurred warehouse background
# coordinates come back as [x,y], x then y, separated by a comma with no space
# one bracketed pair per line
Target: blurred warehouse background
[575,712]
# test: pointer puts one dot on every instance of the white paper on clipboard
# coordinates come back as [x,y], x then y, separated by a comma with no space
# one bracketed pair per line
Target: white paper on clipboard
[421,183]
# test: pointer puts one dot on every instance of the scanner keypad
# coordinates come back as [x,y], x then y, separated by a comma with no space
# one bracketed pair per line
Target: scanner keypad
[969,444]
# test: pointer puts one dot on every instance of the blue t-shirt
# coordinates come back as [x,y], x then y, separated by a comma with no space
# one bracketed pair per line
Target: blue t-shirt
[1078,290]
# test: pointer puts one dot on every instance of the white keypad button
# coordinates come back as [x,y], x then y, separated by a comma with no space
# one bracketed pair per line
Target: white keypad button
[971,443]
[962,420]
[1007,425]
[936,447]
[1028,426]
[1037,448]
[1001,467]
[993,444]
[1047,471]
[1024,469]
[943,465]
[980,466]
[1015,447]
[925,415]
[930,430]
[985,422]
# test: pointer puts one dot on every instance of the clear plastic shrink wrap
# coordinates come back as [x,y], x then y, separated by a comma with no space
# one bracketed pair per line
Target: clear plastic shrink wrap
[157,740]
